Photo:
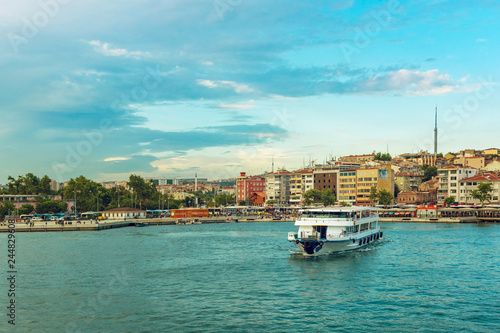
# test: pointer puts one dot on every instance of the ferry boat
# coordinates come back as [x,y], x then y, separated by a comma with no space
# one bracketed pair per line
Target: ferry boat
[330,230]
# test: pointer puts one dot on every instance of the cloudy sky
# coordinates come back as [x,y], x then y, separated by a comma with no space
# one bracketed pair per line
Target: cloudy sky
[169,88]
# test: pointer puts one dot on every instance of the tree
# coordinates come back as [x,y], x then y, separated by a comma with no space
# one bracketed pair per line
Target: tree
[396,190]
[373,195]
[483,192]
[272,202]
[86,192]
[382,157]
[6,208]
[429,172]
[26,209]
[345,204]
[224,200]
[311,196]
[51,206]
[142,189]
[327,197]
[385,197]
[243,202]
[449,200]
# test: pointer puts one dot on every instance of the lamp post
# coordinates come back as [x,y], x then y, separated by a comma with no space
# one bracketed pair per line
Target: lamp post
[74,205]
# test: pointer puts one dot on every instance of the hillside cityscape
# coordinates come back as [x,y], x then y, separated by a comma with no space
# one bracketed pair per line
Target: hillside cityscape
[377,178]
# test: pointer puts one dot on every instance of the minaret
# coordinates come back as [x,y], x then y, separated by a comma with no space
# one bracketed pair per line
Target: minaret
[435,134]
[196,187]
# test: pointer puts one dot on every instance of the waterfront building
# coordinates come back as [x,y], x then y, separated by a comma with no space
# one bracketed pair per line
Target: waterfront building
[449,180]
[278,186]
[296,187]
[382,178]
[123,213]
[326,179]
[307,182]
[20,199]
[467,185]
[258,198]
[415,198]
[408,181]
[347,186]
[248,185]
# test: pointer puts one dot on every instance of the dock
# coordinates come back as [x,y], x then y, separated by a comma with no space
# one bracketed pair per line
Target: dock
[51,226]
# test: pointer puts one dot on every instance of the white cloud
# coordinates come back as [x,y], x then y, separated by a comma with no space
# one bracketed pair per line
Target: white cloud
[238,87]
[116,159]
[283,97]
[414,83]
[105,48]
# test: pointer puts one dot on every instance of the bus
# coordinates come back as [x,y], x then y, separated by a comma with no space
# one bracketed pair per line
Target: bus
[26,218]
[91,216]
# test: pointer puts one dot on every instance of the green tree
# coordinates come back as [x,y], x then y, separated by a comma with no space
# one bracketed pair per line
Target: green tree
[373,195]
[272,202]
[327,197]
[449,200]
[86,192]
[26,209]
[385,197]
[429,172]
[142,189]
[224,200]
[51,206]
[311,196]
[345,204]
[382,157]
[244,202]
[483,192]
[6,208]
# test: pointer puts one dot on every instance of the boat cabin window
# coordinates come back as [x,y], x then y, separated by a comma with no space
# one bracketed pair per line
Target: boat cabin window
[335,215]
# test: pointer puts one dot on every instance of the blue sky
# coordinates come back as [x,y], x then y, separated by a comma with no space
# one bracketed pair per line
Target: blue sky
[170,88]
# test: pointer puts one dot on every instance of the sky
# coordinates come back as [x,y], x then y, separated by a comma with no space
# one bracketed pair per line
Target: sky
[106,89]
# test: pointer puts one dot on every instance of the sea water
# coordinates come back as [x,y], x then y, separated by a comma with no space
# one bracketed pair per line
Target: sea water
[246,277]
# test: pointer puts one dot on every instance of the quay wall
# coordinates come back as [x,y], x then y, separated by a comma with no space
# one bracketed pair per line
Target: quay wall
[112,224]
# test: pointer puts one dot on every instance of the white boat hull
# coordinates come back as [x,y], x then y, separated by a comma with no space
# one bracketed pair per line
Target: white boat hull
[338,244]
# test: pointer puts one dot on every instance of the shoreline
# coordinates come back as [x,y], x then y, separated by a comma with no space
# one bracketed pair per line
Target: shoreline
[113,224]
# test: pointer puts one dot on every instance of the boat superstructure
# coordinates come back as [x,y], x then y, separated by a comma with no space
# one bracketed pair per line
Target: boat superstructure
[328,230]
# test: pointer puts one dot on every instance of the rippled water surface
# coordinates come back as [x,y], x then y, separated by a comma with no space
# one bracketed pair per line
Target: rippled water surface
[245,277]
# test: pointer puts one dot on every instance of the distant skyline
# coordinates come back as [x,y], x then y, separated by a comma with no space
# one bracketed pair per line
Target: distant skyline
[170,88]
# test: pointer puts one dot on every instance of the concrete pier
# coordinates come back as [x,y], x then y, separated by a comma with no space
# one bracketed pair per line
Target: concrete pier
[112,224]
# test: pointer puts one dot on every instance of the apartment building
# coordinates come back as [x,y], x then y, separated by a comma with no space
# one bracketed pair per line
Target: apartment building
[299,184]
[246,186]
[381,177]
[449,180]
[408,181]
[326,179]
[467,185]
[347,187]
[277,186]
